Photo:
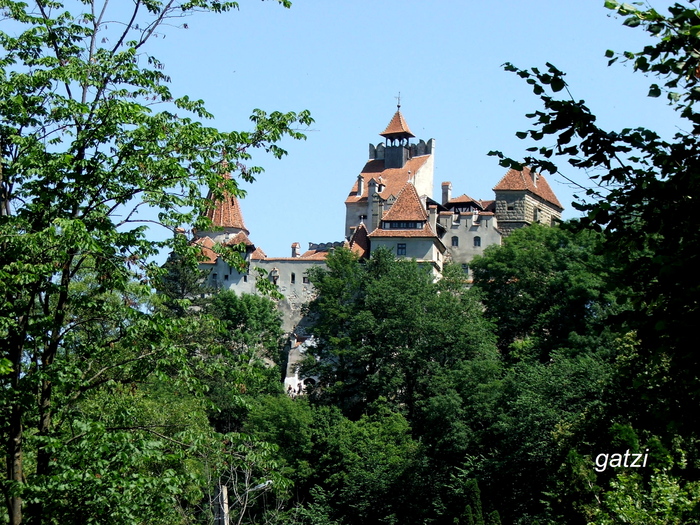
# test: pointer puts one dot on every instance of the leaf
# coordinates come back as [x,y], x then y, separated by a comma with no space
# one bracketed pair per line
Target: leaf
[558,84]
[654,91]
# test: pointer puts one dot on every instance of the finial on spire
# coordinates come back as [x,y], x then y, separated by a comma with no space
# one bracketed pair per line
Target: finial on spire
[398,101]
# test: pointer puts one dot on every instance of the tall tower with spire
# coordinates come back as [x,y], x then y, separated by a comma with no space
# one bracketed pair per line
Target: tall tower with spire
[226,217]
[390,167]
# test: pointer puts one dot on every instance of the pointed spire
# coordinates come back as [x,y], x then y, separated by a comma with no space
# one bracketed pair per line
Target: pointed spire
[226,213]
[397,128]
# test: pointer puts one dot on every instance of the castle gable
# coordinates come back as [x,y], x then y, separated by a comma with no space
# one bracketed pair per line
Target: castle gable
[407,207]
[527,180]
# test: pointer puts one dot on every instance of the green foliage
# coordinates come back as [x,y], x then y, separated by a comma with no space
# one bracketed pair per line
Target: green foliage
[545,286]
[380,322]
[82,153]
[288,423]
[663,500]
[249,322]
[643,195]
[118,450]
[182,285]
[642,199]
[364,464]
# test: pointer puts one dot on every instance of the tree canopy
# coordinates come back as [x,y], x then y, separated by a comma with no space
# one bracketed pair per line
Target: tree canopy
[90,138]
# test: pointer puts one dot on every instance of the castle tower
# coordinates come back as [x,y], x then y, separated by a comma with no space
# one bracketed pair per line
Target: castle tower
[389,168]
[524,197]
[397,134]
[226,217]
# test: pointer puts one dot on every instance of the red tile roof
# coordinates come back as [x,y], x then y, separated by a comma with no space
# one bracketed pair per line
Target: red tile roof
[206,244]
[314,254]
[462,198]
[397,128]
[226,213]
[239,238]
[359,242]
[489,205]
[258,255]
[407,207]
[523,181]
[394,179]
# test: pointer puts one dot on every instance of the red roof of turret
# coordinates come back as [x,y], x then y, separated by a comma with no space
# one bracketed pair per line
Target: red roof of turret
[397,128]
[226,213]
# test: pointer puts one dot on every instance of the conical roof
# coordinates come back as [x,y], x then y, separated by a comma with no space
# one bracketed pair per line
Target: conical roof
[397,128]
[226,213]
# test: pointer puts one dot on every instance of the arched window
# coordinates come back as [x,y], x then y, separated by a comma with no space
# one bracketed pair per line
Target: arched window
[477,242]
[455,240]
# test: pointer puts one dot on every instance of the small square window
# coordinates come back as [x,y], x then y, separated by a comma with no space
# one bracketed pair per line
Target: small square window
[401,248]
[305,280]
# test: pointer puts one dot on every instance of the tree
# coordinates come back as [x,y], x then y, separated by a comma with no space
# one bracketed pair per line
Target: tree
[367,465]
[82,152]
[385,329]
[250,336]
[643,199]
[545,287]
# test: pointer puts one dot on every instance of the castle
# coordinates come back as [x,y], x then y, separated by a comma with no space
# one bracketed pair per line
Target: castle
[390,205]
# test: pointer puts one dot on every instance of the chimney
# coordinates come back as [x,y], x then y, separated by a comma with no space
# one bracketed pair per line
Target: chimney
[371,191]
[446,192]
[432,217]
[296,252]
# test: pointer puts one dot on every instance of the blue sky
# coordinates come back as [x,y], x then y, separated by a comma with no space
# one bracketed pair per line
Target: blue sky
[346,60]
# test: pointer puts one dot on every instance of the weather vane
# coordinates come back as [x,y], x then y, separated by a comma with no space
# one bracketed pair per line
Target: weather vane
[398,101]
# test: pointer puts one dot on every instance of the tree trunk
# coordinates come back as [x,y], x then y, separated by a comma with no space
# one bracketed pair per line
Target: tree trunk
[221,506]
[15,468]
[14,465]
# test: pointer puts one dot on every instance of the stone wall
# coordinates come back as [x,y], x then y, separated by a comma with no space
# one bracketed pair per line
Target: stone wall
[517,209]
[466,227]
